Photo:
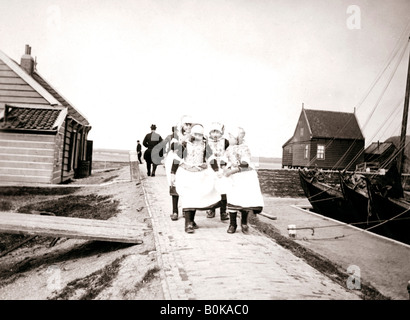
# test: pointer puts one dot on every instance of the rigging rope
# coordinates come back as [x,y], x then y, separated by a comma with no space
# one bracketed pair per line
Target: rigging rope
[386,86]
[404,35]
[396,218]
[392,116]
[372,138]
[390,60]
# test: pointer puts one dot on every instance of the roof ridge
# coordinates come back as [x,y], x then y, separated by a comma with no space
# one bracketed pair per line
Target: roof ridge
[345,112]
[65,99]
[28,79]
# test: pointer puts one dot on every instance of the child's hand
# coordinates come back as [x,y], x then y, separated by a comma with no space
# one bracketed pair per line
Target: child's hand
[203,166]
[227,172]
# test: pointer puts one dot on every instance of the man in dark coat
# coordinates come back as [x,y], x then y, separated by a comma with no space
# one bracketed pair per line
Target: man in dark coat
[139,151]
[152,158]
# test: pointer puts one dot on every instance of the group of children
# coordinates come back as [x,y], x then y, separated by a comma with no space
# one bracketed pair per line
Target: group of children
[210,170]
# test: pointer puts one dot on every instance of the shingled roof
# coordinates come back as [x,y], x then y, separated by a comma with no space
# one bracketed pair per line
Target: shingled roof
[29,118]
[331,124]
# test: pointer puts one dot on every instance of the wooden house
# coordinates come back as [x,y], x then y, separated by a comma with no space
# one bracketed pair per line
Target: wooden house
[43,138]
[377,155]
[326,139]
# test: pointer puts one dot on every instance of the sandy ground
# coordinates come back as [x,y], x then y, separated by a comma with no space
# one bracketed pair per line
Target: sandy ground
[79,269]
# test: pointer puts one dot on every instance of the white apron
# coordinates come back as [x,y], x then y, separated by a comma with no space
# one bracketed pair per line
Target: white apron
[244,191]
[196,189]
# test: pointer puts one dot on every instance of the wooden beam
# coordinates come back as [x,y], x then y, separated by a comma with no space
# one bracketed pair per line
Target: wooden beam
[67,227]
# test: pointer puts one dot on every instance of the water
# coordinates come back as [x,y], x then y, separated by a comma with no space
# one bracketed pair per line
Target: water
[268,165]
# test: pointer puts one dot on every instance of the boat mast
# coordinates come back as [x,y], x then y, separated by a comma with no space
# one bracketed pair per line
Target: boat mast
[402,144]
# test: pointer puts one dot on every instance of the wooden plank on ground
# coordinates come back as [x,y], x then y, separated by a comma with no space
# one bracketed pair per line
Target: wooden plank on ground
[67,227]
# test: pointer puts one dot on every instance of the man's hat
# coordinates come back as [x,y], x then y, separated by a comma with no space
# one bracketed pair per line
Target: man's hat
[153,127]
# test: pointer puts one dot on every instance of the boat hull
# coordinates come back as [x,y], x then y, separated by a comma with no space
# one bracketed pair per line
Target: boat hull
[326,200]
[398,210]
[373,209]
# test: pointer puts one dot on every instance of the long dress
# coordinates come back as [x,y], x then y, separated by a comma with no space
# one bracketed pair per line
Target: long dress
[196,186]
[244,192]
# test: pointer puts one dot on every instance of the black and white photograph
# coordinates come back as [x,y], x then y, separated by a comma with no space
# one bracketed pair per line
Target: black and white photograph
[222,152]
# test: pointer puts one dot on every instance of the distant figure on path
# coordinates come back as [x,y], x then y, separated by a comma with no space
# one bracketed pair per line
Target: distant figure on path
[150,141]
[139,151]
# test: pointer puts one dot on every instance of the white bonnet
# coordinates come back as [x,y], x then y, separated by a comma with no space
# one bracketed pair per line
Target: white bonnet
[234,132]
[216,126]
[197,128]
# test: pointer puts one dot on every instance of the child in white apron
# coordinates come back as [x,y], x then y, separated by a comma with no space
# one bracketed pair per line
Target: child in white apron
[195,179]
[244,193]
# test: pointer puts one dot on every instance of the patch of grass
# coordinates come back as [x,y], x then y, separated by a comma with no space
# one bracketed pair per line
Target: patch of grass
[320,263]
[89,206]
[6,205]
[92,284]
[9,240]
[147,278]
[88,249]
[31,191]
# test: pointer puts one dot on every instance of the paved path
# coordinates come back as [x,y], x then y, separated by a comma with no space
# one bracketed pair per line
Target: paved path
[212,264]
[383,263]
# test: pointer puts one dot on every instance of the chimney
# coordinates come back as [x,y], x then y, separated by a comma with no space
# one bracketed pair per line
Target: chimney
[27,61]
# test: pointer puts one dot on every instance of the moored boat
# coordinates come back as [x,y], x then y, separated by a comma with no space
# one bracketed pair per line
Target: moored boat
[326,199]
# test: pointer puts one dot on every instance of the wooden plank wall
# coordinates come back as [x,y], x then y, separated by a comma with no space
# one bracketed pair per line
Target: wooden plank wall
[58,155]
[13,89]
[68,150]
[298,153]
[26,158]
[335,153]
[287,155]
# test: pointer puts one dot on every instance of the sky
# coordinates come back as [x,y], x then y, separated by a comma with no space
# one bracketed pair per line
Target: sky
[127,64]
